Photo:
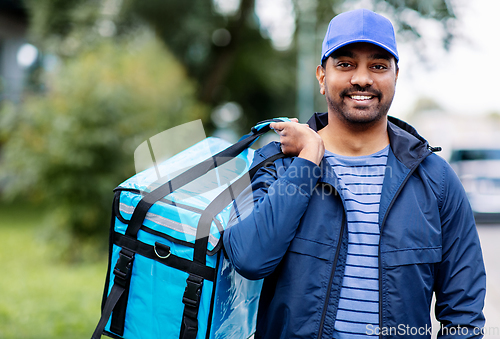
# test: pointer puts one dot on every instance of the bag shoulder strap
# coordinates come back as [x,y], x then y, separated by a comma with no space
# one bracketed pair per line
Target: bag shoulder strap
[191,174]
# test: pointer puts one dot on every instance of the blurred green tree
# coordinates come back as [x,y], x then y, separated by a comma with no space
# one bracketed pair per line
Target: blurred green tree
[228,54]
[70,147]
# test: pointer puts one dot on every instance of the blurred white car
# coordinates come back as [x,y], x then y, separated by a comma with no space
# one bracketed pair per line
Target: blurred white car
[479,171]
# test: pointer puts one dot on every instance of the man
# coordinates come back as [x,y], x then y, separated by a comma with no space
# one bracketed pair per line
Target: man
[361,223]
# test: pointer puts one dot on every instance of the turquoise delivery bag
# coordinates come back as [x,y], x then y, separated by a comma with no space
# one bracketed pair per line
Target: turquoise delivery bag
[167,274]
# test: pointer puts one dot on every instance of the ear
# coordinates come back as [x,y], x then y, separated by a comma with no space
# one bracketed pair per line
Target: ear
[320,75]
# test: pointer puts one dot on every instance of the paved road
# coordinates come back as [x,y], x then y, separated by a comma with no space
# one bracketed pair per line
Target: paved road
[490,241]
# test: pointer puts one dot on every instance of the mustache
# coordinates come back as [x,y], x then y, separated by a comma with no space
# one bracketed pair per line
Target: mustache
[358,89]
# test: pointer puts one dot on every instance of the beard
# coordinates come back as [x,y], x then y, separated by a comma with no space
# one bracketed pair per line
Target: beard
[359,116]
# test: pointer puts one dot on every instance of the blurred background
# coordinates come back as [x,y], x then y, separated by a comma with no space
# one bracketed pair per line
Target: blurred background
[84,82]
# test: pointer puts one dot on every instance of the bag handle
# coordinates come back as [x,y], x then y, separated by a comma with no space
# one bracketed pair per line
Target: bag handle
[191,174]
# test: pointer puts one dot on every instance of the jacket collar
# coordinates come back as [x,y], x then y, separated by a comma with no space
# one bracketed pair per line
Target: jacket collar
[406,144]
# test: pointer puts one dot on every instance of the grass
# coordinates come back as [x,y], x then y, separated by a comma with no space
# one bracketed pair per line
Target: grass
[41,296]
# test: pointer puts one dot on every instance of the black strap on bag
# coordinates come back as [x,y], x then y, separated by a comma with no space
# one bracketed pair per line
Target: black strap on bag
[191,301]
[122,272]
[219,203]
[116,301]
[191,174]
[192,292]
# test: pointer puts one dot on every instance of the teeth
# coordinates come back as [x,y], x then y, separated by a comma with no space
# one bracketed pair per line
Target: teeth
[361,97]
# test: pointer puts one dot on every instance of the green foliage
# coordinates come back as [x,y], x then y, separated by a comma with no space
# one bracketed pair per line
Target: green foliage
[440,10]
[43,298]
[71,147]
[50,18]
[246,70]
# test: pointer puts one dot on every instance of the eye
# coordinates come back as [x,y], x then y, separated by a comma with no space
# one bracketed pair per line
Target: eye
[380,67]
[344,65]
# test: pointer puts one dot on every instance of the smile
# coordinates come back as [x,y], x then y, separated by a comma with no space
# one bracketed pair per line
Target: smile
[361,97]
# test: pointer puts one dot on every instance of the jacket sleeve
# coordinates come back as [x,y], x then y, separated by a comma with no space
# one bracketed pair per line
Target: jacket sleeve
[460,284]
[268,214]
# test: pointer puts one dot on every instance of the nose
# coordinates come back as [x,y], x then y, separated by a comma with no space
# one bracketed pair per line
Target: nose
[362,77]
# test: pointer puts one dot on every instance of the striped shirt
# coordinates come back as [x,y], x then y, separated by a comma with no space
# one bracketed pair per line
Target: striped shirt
[360,184]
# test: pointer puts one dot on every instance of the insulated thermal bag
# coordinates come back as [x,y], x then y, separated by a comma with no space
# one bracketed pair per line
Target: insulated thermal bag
[167,274]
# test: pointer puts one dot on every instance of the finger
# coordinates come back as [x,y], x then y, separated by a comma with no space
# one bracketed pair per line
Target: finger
[277,126]
[294,120]
[308,126]
[280,132]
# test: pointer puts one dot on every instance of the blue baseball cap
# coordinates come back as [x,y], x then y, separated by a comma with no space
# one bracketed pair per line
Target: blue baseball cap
[360,25]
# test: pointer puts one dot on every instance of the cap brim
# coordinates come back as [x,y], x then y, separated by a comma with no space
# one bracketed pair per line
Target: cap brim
[345,43]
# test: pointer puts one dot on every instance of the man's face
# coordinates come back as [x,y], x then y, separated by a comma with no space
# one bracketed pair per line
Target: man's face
[359,82]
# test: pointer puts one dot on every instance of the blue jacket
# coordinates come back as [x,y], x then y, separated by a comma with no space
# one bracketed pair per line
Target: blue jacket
[293,233]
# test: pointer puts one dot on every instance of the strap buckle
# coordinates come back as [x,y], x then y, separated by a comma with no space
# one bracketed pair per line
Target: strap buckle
[192,293]
[123,267]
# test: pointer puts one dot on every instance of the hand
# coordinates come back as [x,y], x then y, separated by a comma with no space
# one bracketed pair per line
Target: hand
[299,140]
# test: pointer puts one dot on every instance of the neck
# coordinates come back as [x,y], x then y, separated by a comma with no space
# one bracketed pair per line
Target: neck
[345,138]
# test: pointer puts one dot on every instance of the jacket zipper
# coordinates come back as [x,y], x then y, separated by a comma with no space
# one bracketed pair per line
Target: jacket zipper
[379,252]
[332,274]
